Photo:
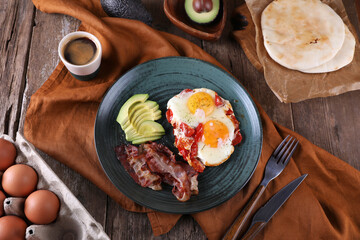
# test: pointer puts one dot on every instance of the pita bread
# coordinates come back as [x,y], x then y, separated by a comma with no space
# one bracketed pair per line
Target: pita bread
[301,34]
[341,59]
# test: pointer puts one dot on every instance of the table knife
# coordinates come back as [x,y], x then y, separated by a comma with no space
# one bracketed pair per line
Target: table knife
[265,213]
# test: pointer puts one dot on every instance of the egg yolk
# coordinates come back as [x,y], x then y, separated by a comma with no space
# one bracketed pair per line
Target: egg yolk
[201,100]
[214,130]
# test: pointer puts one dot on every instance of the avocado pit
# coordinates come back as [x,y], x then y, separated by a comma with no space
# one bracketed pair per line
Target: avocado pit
[202,5]
[202,11]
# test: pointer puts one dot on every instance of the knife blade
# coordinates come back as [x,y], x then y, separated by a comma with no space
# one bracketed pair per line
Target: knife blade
[265,213]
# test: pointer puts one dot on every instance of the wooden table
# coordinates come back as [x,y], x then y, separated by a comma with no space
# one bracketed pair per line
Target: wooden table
[28,50]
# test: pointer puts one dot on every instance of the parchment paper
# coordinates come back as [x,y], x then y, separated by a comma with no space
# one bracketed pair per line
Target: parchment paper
[294,86]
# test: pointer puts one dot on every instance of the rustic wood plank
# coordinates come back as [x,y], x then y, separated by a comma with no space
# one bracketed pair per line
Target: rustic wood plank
[16,28]
[48,30]
[352,11]
[332,123]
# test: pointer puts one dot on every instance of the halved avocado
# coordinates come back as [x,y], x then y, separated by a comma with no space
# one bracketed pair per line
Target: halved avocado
[202,11]
[123,113]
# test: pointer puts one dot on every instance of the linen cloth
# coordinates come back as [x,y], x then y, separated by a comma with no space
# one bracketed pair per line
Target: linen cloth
[61,115]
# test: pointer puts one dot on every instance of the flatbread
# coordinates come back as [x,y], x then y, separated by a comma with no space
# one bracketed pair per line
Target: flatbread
[341,59]
[301,34]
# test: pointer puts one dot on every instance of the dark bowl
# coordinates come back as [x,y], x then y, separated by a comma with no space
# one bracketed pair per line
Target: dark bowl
[175,11]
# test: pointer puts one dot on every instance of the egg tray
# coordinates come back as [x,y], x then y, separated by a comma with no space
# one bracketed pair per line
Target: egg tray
[74,221]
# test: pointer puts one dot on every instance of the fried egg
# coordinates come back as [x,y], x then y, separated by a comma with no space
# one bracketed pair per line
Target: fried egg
[198,106]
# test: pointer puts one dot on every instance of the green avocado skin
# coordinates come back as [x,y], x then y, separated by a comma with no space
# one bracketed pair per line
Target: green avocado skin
[130,9]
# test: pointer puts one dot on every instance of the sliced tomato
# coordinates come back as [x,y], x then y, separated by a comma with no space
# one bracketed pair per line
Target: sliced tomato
[238,138]
[169,115]
[199,131]
[187,130]
[194,150]
[218,100]
[186,90]
[229,112]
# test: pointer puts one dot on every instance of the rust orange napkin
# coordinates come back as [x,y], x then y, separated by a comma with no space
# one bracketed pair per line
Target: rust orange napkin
[61,115]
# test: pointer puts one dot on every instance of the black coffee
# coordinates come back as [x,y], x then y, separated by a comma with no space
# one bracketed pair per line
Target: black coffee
[80,51]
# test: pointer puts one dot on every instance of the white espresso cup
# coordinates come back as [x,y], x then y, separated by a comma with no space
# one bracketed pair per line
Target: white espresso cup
[87,70]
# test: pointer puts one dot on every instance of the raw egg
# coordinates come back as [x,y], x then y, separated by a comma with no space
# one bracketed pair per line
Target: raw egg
[12,228]
[2,198]
[19,180]
[7,154]
[42,207]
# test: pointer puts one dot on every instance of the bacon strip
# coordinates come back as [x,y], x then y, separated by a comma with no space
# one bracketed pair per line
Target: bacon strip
[135,164]
[162,161]
[153,163]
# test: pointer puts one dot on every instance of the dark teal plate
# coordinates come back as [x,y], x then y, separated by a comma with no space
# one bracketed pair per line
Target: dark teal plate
[162,79]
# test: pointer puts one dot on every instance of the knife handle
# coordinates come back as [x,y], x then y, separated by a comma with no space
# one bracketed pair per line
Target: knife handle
[254,229]
[237,226]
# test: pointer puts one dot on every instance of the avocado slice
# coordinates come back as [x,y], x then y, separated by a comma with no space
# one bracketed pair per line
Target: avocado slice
[123,113]
[145,139]
[137,118]
[141,108]
[148,105]
[202,11]
[131,134]
[136,109]
[149,127]
[146,116]
[137,137]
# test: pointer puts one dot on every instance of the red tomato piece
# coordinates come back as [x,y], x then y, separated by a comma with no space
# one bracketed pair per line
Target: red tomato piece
[169,115]
[194,150]
[218,100]
[187,130]
[199,131]
[238,138]
[229,112]
[183,152]
[186,90]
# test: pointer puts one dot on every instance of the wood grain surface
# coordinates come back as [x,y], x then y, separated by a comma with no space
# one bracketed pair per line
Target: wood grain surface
[28,50]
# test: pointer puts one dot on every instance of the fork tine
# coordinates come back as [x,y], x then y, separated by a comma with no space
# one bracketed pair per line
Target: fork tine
[281,153]
[284,153]
[280,146]
[285,159]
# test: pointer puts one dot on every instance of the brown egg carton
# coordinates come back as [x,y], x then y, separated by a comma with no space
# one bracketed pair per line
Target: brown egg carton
[73,222]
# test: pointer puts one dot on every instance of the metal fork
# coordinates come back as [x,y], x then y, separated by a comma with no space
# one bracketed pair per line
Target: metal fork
[275,165]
